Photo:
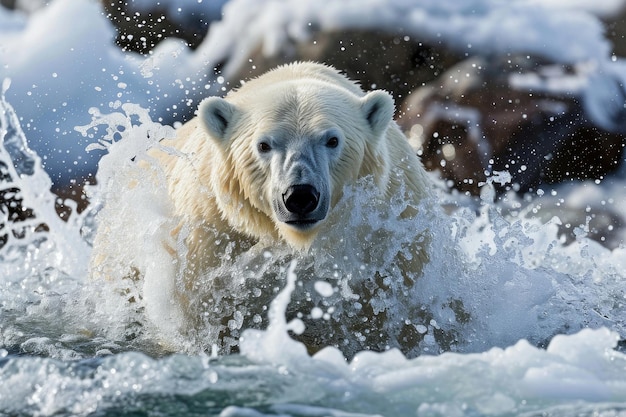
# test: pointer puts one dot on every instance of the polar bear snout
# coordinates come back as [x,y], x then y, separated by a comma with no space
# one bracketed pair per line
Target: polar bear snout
[301,199]
[301,206]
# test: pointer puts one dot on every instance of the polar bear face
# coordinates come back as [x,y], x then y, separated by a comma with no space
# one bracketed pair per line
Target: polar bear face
[289,148]
[299,168]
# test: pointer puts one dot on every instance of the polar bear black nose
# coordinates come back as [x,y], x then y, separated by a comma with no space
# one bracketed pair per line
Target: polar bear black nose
[301,199]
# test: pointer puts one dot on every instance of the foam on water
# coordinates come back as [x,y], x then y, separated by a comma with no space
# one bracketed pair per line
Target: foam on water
[530,325]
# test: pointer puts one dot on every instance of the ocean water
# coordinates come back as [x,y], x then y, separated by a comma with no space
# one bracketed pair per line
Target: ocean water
[517,313]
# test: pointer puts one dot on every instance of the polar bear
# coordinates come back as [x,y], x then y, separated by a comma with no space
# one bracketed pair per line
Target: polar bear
[270,161]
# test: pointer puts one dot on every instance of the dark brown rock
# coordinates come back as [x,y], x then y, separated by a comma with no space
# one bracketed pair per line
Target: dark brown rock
[18,221]
[395,62]
[9,4]
[492,114]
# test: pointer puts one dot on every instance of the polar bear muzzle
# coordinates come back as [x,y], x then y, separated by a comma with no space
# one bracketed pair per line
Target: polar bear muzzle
[301,199]
[301,206]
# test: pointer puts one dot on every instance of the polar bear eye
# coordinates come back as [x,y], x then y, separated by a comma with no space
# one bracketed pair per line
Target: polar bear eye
[264,147]
[332,142]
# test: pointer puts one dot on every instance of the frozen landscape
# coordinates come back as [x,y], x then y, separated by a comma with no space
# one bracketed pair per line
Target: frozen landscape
[547,314]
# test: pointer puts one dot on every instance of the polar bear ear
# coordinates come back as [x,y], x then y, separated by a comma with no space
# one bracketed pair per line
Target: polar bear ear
[378,109]
[216,115]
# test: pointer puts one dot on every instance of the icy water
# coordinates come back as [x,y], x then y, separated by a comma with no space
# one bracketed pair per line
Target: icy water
[509,318]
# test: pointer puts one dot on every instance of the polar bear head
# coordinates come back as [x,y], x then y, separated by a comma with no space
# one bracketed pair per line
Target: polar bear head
[288,142]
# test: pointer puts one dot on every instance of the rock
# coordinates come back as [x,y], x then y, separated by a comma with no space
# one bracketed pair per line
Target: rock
[394,62]
[532,118]
[9,4]
[18,221]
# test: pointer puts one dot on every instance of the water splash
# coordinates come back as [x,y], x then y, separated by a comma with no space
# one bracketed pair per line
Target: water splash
[261,345]
[451,306]
[42,257]
[24,160]
[492,279]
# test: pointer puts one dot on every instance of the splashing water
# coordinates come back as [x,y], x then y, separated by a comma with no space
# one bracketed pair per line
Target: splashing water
[496,289]
[42,258]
